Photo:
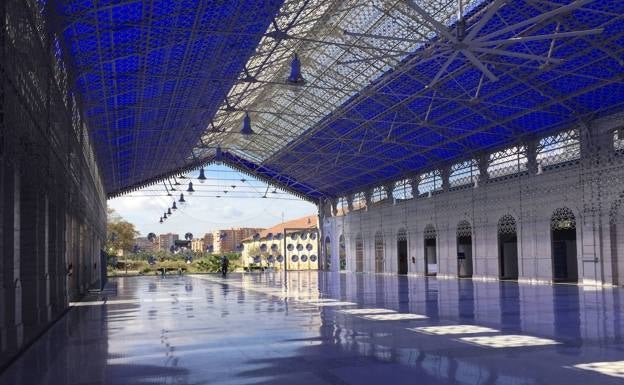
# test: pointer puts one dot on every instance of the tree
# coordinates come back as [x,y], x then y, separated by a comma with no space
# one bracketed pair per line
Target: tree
[120,233]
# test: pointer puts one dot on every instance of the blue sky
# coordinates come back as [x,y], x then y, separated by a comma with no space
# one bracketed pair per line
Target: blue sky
[241,206]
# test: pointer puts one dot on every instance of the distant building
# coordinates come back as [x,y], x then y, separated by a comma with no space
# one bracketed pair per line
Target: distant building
[226,241]
[302,246]
[165,241]
[145,244]
[197,244]
[208,240]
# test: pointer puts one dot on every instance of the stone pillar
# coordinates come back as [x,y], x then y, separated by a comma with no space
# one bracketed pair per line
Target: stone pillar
[31,245]
[531,154]
[368,195]
[596,150]
[390,191]
[335,245]
[11,327]
[445,174]
[483,161]
[414,183]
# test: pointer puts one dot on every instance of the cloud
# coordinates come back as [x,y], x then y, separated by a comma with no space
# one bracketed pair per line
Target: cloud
[204,213]
[230,212]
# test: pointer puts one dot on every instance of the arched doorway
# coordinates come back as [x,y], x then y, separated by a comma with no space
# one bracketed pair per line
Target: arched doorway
[563,238]
[379,252]
[342,253]
[431,257]
[507,247]
[359,254]
[402,251]
[616,230]
[327,253]
[464,249]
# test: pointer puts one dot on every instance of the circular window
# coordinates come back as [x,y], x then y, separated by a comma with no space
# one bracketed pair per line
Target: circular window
[271,259]
[299,247]
[294,258]
[256,236]
[280,259]
[269,236]
[312,236]
[263,247]
[313,258]
[294,236]
[256,259]
[290,247]
[278,236]
[304,236]
[309,246]
[274,247]
[304,258]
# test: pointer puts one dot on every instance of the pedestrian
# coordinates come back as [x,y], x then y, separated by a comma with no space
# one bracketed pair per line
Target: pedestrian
[224,265]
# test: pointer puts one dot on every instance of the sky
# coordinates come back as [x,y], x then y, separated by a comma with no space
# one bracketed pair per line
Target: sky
[241,206]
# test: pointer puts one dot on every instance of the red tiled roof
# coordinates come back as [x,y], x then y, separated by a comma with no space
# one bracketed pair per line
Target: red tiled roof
[307,222]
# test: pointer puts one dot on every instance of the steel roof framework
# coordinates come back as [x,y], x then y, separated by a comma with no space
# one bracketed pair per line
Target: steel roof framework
[391,89]
[150,73]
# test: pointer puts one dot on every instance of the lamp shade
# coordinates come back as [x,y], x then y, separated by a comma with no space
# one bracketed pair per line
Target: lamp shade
[202,176]
[246,130]
[295,71]
[218,154]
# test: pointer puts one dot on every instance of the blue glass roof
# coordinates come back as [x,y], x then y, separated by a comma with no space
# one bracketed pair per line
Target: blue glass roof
[403,124]
[150,75]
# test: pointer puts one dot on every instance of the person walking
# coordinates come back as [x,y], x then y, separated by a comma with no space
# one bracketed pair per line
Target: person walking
[224,265]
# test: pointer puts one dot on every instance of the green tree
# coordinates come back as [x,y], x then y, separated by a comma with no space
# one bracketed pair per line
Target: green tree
[120,233]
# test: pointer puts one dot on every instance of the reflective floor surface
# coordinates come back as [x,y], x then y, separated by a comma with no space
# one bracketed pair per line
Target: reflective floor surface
[331,328]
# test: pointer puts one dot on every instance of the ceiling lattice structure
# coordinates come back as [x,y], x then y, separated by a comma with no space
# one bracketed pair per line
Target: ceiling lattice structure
[150,74]
[392,88]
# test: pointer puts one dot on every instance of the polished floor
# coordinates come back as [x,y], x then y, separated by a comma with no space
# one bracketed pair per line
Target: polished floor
[331,328]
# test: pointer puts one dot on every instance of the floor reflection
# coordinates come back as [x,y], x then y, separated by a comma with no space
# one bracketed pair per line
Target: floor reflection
[330,328]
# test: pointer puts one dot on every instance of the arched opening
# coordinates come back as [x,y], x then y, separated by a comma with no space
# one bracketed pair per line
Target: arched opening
[342,253]
[379,252]
[507,247]
[563,237]
[402,251]
[327,254]
[464,249]
[359,254]
[616,232]
[431,257]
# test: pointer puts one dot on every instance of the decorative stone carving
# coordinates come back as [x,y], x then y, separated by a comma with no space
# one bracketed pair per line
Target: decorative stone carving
[507,225]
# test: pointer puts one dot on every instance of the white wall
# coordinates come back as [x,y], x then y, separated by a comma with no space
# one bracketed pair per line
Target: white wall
[530,198]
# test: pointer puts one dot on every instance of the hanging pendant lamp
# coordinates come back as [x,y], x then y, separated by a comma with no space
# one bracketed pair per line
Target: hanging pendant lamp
[202,177]
[295,71]
[246,130]
[218,155]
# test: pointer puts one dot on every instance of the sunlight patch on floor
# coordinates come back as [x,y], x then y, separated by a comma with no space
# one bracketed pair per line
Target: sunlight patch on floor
[508,341]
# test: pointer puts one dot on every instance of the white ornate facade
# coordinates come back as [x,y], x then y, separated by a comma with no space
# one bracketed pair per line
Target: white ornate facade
[560,198]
